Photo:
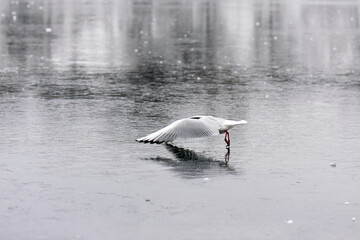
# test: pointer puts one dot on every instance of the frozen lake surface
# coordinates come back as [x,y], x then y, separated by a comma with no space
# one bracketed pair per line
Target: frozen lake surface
[79,82]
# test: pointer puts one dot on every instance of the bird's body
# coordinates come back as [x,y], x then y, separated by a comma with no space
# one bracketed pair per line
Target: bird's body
[193,127]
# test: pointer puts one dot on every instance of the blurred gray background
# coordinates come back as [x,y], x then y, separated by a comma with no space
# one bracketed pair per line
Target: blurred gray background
[81,80]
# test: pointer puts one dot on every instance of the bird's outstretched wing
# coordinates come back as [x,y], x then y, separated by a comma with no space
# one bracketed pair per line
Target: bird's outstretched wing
[195,127]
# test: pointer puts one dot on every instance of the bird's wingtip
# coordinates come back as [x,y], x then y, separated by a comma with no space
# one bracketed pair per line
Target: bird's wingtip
[140,140]
[148,141]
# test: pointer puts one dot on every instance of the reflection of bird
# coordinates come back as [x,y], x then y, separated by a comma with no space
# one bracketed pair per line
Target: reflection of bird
[184,154]
[188,155]
[194,127]
[191,164]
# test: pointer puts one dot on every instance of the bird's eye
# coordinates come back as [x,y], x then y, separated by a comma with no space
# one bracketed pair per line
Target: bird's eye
[195,118]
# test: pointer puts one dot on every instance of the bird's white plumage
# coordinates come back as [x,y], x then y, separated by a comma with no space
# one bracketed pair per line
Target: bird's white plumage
[194,127]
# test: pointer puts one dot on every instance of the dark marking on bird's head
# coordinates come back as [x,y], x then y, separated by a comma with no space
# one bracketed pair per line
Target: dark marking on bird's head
[195,117]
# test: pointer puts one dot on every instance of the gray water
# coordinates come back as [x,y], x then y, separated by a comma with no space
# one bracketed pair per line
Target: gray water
[81,80]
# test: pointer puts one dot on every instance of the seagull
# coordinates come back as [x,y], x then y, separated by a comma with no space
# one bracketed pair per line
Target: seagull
[193,127]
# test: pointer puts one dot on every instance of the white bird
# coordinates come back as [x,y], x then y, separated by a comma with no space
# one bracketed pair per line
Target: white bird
[193,127]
